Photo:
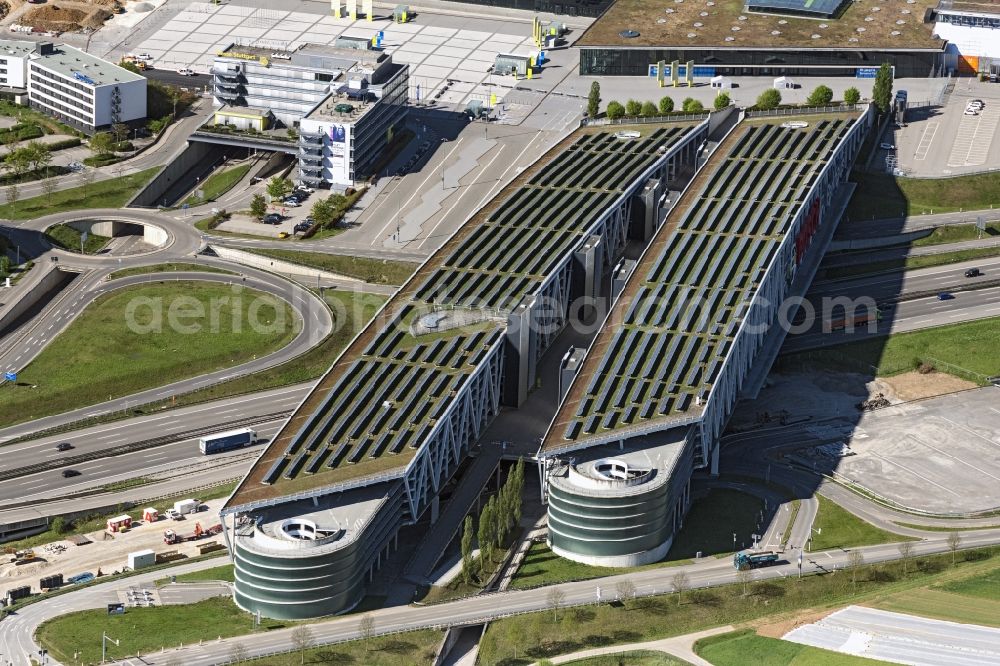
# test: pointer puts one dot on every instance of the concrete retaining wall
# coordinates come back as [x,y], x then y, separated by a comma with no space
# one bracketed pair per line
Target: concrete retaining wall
[30,297]
[151,234]
[181,175]
[276,265]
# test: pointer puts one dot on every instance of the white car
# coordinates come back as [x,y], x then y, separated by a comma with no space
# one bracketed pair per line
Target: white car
[187,71]
[142,56]
[971,112]
[174,515]
[290,203]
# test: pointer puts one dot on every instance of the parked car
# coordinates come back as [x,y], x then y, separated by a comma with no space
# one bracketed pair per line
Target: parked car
[886,146]
[945,296]
[75,166]
[272,218]
[970,112]
[973,272]
[302,227]
[187,71]
[283,234]
[173,514]
[67,473]
[64,446]
[291,203]
[304,188]
[142,56]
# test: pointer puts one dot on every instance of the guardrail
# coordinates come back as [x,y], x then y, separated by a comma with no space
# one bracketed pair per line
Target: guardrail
[642,120]
[133,447]
[800,110]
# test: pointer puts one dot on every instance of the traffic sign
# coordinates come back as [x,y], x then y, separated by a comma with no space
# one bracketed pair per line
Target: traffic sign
[10,376]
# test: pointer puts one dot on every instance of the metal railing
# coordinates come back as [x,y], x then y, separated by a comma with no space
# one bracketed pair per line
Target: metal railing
[800,110]
[643,120]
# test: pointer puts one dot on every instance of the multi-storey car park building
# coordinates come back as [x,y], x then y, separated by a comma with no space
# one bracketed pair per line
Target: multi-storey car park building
[765,38]
[662,376]
[346,102]
[372,444]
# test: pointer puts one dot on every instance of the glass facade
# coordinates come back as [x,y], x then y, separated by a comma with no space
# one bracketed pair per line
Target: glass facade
[610,61]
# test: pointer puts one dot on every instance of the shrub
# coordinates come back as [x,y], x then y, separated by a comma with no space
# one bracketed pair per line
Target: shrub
[852,95]
[821,96]
[769,99]
[633,107]
[691,105]
[666,105]
[722,100]
[65,143]
[649,109]
[615,110]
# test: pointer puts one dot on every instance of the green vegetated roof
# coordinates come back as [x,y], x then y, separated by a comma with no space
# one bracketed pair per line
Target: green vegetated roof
[383,397]
[676,321]
[672,24]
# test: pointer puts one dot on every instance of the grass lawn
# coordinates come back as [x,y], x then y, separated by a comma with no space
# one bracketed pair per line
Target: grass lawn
[842,529]
[144,629]
[985,586]
[110,193]
[631,658]
[538,635]
[218,184]
[224,572]
[943,605]
[377,271]
[708,527]
[911,263]
[970,345]
[954,233]
[880,195]
[745,647]
[59,529]
[68,238]
[168,267]
[414,647]
[111,358]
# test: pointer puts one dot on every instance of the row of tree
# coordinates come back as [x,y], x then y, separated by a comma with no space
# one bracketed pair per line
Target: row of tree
[33,156]
[501,514]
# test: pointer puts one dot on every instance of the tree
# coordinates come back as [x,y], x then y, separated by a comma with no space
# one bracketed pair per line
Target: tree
[120,132]
[625,589]
[691,105]
[680,583]
[4,272]
[485,532]
[239,653]
[302,640]
[722,100]
[467,537]
[554,600]
[852,95]
[954,542]
[820,96]
[366,627]
[882,90]
[769,99]
[855,560]
[12,193]
[649,109]
[278,188]
[594,100]
[102,144]
[18,161]
[633,107]
[666,104]
[744,577]
[615,110]
[905,551]
[8,139]
[258,206]
[87,177]
[38,155]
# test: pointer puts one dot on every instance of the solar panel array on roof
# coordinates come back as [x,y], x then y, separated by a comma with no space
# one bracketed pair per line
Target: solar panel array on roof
[692,296]
[813,8]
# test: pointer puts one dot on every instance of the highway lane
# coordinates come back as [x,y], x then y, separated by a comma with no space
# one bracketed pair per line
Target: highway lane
[890,285]
[861,229]
[901,252]
[904,316]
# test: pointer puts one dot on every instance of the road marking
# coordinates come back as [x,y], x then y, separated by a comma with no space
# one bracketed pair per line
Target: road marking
[925,141]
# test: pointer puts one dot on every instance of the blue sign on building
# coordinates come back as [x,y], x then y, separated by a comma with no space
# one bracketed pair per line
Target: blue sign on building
[866,72]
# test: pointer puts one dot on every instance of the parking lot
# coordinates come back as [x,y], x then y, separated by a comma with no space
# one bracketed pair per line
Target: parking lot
[944,140]
[940,455]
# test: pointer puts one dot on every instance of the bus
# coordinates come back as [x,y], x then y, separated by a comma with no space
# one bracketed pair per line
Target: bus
[227,441]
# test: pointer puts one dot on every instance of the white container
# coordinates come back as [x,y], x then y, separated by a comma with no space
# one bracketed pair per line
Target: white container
[187,506]
[140,559]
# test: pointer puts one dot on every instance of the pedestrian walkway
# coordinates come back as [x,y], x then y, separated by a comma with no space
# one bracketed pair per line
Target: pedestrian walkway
[681,647]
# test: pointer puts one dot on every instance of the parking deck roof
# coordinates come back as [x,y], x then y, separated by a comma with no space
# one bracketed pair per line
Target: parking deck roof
[656,361]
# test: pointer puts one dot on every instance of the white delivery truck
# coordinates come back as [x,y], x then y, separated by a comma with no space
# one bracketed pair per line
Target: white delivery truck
[187,506]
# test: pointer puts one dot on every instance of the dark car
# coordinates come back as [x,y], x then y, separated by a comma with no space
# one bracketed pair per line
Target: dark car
[67,473]
[302,226]
[272,218]
[973,272]
[64,446]
[945,296]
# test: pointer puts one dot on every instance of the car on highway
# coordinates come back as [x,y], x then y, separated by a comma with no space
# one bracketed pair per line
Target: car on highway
[64,446]
[945,296]
[886,146]
[973,272]
[187,71]
[67,473]
[272,218]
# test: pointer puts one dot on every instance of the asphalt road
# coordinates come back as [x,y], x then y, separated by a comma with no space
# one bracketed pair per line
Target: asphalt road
[860,229]
[891,285]
[902,252]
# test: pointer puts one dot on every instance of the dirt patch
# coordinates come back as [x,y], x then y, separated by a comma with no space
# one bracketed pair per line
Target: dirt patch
[914,385]
[781,627]
[66,17]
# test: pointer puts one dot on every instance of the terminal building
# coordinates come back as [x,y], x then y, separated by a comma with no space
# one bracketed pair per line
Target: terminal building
[70,85]
[376,440]
[345,101]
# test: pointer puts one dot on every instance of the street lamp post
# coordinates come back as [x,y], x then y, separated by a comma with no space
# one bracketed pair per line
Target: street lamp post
[104,642]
